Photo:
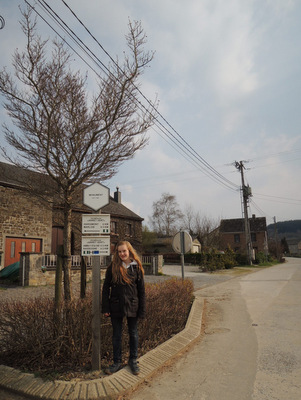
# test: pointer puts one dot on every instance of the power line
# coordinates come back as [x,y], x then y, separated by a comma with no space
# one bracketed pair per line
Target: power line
[151,104]
[203,166]
[278,199]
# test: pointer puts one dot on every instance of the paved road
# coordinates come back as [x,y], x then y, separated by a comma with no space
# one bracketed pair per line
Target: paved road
[251,346]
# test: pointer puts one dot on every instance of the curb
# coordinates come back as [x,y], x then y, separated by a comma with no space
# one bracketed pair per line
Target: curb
[109,387]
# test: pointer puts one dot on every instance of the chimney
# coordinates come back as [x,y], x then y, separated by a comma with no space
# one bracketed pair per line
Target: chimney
[117,195]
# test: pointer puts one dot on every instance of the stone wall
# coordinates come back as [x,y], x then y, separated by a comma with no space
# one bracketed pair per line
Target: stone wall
[31,272]
[23,216]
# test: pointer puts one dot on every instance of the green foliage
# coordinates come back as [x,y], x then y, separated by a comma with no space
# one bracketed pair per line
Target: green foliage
[193,258]
[34,340]
[241,259]
[213,260]
[148,239]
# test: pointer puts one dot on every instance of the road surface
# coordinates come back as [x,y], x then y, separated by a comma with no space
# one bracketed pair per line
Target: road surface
[251,345]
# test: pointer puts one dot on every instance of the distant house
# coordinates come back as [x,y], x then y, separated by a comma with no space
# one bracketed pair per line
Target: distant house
[30,223]
[294,248]
[232,233]
[163,245]
[196,246]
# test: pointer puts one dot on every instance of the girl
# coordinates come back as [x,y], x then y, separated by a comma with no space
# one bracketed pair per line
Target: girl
[123,295]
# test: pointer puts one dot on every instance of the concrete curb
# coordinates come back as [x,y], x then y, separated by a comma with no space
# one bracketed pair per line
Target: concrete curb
[109,387]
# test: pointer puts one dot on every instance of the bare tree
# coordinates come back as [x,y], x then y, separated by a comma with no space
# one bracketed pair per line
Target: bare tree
[203,227]
[189,219]
[206,229]
[166,215]
[60,130]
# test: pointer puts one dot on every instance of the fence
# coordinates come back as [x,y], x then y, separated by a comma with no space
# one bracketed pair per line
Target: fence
[49,261]
[152,263]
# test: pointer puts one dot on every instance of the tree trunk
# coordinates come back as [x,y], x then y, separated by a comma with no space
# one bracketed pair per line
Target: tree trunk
[83,278]
[58,280]
[67,254]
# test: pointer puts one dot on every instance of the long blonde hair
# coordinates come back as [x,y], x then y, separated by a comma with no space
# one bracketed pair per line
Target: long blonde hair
[119,273]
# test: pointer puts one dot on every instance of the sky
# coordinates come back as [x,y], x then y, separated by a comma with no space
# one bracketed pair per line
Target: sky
[227,77]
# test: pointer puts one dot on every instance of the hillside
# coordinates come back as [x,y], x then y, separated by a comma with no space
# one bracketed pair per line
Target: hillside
[291,230]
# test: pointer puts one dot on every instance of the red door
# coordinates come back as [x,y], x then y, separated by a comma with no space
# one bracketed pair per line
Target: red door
[14,246]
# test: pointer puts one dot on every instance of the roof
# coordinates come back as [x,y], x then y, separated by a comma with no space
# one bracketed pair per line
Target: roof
[32,182]
[15,177]
[119,210]
[238,225]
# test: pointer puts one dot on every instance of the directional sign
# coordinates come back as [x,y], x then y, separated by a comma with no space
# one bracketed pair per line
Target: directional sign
[96,224]
[96,196]
[96,246]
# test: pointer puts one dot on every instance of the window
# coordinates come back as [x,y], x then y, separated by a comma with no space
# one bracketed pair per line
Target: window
[129,229]
[23,247]
[113,227]
[33,247]
[236,238]
[253,237]
[12,249]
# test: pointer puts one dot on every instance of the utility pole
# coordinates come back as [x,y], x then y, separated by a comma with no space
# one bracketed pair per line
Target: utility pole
[276,238]
[246,193]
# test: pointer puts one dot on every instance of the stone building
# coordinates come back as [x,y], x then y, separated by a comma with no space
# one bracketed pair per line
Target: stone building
[31,224]
[232,233]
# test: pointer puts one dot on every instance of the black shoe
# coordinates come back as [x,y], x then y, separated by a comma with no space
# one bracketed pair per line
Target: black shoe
[134,367]
[114,368]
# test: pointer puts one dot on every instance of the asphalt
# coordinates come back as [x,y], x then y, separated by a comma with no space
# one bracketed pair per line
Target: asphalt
[122,382]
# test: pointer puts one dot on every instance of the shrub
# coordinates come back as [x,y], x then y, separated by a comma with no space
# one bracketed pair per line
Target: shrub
[214,260]
[34,340]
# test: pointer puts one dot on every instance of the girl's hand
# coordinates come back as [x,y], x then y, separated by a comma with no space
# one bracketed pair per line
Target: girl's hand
[107,314]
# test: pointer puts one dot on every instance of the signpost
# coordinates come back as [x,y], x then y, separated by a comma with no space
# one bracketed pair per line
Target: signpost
[94,243]
[96,246]
[96,196]
[96,224]
[181,244]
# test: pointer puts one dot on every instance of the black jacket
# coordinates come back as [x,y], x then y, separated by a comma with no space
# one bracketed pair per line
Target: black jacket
[124,299]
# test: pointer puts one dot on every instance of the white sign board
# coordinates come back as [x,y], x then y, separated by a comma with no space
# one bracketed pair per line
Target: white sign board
[96,246]
[95,224]
[96,196]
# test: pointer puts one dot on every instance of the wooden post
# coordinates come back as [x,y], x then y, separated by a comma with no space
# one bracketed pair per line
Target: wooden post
[58,278]
[96,310]
[83,277]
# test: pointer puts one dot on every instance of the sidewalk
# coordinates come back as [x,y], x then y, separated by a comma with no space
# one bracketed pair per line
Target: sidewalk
[109,387]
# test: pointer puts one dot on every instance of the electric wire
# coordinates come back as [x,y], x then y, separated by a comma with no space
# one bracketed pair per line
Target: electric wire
[151,104]
[218,178]
[277,199]
[184,149]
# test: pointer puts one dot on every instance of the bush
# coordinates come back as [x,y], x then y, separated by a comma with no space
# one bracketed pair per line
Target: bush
[32,339]
[242,259]
[214,260]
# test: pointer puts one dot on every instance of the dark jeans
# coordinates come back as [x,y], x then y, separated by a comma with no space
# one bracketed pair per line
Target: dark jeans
[133,338]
